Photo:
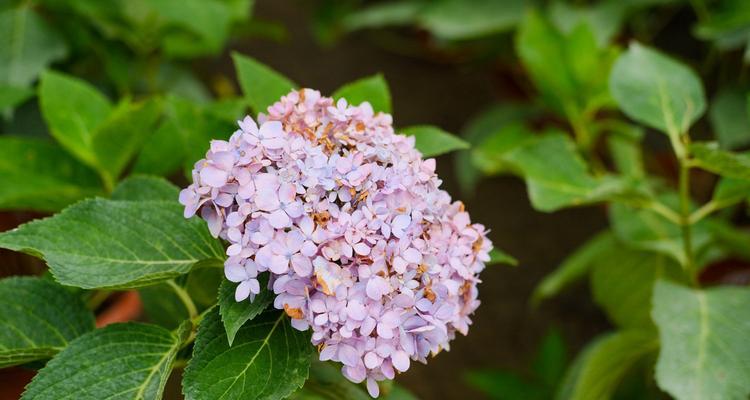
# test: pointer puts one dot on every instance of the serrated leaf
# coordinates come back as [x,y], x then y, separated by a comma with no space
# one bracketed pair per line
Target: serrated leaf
[73,110]
[708,156]
[656,90]
[38,319]
[39,175]
[622,282]
[116,244]
[372,89]
[704,353]
[269,359]
[574,267]
[432,141]
[601,366]
[27,46]
[234,314]
[124,361]
[145,187]
[261,85]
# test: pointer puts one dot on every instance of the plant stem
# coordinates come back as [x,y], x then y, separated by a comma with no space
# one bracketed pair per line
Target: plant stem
[185,298]
[687,240]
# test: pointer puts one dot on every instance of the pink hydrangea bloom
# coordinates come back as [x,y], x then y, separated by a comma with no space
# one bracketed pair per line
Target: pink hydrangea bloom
[361,245]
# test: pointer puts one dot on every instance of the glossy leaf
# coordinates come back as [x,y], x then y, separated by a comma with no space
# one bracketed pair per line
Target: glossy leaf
[145,187]
[709,156]
[261,85]
[38,318]
[704,349]
[372,89]
[116,244]
[432,141]
[656,90]
[235,314]
[268,359]
[39,175]
[129,360]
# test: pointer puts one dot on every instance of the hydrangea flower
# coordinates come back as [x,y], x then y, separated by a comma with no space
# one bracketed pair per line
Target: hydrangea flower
[361,245]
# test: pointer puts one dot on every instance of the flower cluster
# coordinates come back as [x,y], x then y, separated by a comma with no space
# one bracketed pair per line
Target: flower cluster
[361,244]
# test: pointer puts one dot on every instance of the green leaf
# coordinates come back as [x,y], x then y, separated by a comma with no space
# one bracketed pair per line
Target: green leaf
[432,141]
[116,244]
[38,319]
[656,90]
[504,385]
[73,110]
[39,175]
[261,85]
[234,314]
[730,191]
[550,360]
[704,353]
[575,266]
[162,306]
[327,383]
[379,15]
[557,176]
[27,46]
[622,283]
[498,256]
[604,18]
[490,155]
[461,20]
[122,135]
[625,149]
[269,359]
[729,118]
[145,187]
[372,89]
[11,96]
[708,156]
[603,363]
[129,360]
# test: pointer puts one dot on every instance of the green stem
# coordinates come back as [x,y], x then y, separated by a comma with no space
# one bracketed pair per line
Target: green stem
[185,298]
[97,298]
[704,211]
[687,240]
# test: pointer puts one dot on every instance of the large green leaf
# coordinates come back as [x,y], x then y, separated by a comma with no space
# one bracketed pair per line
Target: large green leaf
[268,359]
[38,319]
[705,353]
[234,314]
[557,176]
[710,157]
[462,20]
[489,155]
[623,281]
[119,361]
[39,175]
[145,187]
[261,85]
[656,90]
[372,89]
[601,366]
[729,118]
[101,243]
[73,110]
[729,191]
[27,46]
[575,266]
[432,141]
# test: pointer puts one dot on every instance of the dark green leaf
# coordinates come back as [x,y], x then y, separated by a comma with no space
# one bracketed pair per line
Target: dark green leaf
[11,96]
[603,363]
[551,359]
[269,359]
[39,175]
[28,46]
[461,20]
[145,187]
[38,319]
[327,383]
[372,89]
[622,283]
[432,141]
[118,361]
[704,353]
[729,118]
[261,85]
[498,256]
[729,191]
[708,156]
[575,266]
[379,15]
[116,244]
[234,314]
[490,154]
[504,385]
[656,90]
[162,306]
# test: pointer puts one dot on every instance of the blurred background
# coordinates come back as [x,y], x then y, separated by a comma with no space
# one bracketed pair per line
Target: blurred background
[450,63]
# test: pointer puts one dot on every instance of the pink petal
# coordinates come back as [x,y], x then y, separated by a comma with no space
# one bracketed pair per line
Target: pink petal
[213,176]
[400,360]
[372,388]
[278,219]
